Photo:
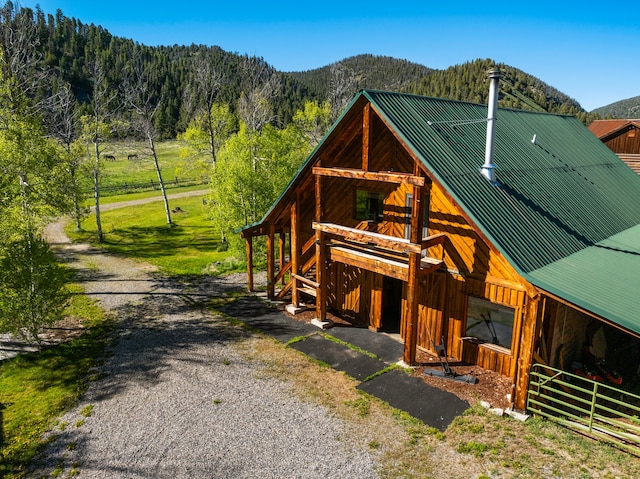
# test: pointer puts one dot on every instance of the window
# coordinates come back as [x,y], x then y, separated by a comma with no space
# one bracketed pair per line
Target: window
[407,217]
[490,322]
[369,205]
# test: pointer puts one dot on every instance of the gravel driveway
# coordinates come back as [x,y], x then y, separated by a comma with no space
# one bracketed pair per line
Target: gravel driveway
[177,398]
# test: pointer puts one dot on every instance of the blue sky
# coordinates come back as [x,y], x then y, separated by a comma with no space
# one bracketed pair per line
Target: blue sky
[585,52]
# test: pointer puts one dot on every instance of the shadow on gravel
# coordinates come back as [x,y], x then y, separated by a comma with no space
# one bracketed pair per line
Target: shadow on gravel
[163,328]
[265,318]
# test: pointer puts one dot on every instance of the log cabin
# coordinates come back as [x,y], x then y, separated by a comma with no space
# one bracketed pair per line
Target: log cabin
[621,136]
[499,234]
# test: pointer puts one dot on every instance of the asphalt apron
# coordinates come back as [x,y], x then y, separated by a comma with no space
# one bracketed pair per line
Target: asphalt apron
[433,406]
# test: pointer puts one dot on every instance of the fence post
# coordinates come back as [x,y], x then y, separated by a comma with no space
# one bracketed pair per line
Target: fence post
[594,399]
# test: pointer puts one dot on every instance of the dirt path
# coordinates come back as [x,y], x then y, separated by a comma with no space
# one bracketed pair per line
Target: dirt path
[123,204]
[177,398]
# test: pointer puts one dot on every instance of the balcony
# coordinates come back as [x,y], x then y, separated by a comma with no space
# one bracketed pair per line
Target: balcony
[386,255]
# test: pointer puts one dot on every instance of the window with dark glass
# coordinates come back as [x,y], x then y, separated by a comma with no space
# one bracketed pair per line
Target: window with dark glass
[490,322]
[408,214]
[369,205]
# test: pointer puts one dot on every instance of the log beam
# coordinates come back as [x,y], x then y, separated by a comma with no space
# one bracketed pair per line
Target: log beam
[381,176]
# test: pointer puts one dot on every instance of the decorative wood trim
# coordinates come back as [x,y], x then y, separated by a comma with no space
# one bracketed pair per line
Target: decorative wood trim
[381,176]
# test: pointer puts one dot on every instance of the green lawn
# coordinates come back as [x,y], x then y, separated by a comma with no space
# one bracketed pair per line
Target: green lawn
[115,174]
[190,247]
[36,388]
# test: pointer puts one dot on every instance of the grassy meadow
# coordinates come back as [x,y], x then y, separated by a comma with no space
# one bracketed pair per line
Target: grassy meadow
[115,174]
[192,246]
[36,388]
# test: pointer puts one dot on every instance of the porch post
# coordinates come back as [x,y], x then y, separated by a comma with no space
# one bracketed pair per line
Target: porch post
[295,253]
[524,357]
[321,267]
[282,253]
[411,332]
[271,262]
[249,249]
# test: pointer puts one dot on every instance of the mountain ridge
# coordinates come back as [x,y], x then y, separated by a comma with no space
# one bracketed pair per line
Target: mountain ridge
[67,45]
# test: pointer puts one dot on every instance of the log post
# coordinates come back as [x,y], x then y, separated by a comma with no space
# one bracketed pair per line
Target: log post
[321,251]
[366,129]
[282,253]
[525,354]
[411,332]
[294,239]
[249,248]
[271,262]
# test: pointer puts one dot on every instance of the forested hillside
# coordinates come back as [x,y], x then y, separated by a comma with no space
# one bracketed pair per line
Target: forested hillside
[518,89]
[629,108]
[366,71]
[69,49]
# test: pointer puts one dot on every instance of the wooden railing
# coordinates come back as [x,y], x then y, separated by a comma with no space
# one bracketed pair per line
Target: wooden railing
[387,255]
[306,267]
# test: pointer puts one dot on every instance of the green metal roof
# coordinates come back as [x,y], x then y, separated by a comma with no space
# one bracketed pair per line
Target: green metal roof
[560,202]
[603,278]
[565,210]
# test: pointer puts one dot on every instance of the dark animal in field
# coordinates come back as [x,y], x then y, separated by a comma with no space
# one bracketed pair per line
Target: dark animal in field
[177,209]
[133,156]
[110,157]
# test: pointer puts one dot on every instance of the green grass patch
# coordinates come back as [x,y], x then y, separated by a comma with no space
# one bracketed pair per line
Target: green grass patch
[349,345]
[125,175]
[191,247]
[36,388]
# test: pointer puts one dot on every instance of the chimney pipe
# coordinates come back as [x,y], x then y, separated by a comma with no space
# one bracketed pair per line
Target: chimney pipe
[488,169]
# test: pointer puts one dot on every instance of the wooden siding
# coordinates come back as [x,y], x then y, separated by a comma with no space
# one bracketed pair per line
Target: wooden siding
[465,251]
[351,293]
[626,140]
[473,268]
[632,160]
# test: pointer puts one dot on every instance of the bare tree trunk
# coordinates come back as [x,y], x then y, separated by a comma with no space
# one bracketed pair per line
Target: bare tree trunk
[77,212]
[96,194]
[144,106]
[167,210]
